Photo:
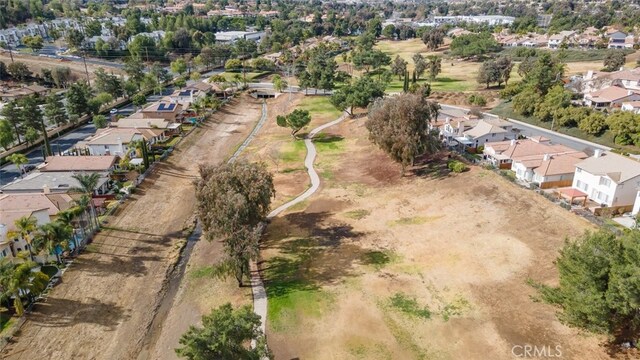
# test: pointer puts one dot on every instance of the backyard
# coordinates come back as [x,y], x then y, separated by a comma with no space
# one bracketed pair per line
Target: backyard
[433,265]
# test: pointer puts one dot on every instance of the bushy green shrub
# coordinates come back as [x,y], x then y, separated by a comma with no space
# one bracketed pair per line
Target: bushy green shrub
[457,166]
[475,99]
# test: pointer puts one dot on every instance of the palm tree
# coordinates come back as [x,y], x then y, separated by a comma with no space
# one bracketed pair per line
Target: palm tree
[18,280]
[83,204]
[51,236]
[67,217]
[26,225]
[88,185]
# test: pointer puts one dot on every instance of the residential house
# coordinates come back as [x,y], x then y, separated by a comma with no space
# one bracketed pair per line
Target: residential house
[85,163]
[548,170]
[9,94]
[612,96]
[597,80]
[503,154]
[163,110]
[136,122]
[120,141]
[617,40]
[608,179]
[43,207]
[230,37]
[470,131]
[485,131]
[154,35]
[116,44]
[557,39]
[633,106]
[51,182]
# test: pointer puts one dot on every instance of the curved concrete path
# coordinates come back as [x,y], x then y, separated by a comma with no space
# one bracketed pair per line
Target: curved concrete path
[257,287]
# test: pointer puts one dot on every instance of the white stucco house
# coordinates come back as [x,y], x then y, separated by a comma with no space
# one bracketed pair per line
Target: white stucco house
[608,179]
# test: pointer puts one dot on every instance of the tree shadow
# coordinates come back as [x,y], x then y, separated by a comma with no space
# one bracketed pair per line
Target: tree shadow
[432,167]
[327,139]
[130,264]
[325,256]
[447,80]
[57,312]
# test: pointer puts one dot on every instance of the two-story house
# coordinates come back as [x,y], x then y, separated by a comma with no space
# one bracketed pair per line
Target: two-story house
[608,179]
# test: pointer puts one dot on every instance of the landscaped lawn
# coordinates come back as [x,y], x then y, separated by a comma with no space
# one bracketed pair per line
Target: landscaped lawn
[251,76]
[320,107]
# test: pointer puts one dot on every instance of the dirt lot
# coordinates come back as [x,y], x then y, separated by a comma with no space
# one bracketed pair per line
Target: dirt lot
[432,266]
[36,64]
[107,301]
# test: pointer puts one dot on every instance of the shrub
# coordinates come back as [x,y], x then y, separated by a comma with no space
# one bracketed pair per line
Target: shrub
[457,166]
[475,99]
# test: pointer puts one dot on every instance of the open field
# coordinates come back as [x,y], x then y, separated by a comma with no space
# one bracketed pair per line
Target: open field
[432,266]
[458,75]
[105,307]
[36,64]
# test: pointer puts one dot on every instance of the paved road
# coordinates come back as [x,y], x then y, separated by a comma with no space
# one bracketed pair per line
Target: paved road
[257,286]
[531,130]
[10,172]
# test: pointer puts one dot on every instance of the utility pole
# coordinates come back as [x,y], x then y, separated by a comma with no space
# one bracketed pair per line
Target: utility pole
[86,70]
[10,53]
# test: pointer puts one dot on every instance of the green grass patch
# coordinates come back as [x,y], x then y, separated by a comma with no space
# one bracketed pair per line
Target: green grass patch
[455,308]
[439,84]
[409,306]
[379,259]
[293,151]
[292,169]
[357,214]
[319,106]
[5,322]
[204,272]
[299,206]
[251,76]
[292,294]
[326,143]
[415,220]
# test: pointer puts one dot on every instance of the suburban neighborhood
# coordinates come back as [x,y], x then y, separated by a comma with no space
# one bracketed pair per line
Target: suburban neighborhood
[319,180]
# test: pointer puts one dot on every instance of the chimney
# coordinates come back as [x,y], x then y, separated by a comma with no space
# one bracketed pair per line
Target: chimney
[597,153]
[513,142]
[120,146]
[46,189]
[447,120]
[546,157]
[460,128]
[629,92]
[589,74]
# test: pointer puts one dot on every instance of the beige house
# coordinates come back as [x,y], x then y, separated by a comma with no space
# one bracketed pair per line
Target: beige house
[611,96]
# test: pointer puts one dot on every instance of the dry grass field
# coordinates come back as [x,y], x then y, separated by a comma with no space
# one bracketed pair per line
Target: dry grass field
[429,266]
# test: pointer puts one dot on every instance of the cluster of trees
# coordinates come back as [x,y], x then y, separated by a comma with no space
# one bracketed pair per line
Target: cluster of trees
[474,45]
[233,201]
[614,60]
[598,287]
[541,94]
[399,125]
[357,94]
[316,68]
[495,71]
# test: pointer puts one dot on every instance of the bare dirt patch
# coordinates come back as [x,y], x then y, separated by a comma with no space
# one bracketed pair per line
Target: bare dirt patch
[36,64]
[378,266]
[105,305]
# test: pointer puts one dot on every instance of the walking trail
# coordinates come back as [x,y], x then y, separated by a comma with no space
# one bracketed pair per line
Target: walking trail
[257,287]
